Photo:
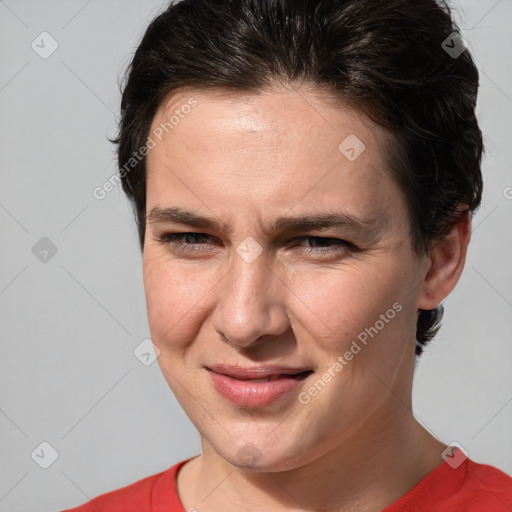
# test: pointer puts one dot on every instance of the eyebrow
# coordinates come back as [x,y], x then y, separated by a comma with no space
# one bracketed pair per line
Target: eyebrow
[313,222]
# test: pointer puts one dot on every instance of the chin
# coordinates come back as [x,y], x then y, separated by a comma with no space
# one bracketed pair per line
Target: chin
[248,457]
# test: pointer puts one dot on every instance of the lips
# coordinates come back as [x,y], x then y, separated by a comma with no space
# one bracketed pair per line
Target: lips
[257,386]
[260,372]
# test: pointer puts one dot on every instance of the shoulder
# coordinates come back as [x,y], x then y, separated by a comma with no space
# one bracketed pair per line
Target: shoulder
[140,496]
[472,487]
[469,487]
[486,488]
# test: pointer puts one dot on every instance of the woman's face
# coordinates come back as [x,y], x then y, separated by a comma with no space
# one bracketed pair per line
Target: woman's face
[299,270]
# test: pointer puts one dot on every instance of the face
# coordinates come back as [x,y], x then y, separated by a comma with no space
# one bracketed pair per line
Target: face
[280,282]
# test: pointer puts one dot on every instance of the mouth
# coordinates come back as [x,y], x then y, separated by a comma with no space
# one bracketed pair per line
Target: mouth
[256,387]
[296,376]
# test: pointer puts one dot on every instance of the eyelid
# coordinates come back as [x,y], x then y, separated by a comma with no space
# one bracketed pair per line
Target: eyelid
[198,233]
[167,236]
[340,244]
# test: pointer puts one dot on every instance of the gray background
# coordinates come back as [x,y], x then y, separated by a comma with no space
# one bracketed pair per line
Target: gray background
[69,325]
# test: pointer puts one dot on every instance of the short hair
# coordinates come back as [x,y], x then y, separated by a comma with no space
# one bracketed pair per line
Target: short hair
[388,59]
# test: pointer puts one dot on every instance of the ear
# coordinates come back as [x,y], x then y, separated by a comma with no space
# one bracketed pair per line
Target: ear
[445,263]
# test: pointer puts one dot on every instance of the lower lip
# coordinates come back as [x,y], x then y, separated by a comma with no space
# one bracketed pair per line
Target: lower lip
[246,393]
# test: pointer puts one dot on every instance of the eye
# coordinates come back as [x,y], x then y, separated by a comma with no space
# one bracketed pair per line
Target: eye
[193,242]
[318,244]
[186,238]
[184,241]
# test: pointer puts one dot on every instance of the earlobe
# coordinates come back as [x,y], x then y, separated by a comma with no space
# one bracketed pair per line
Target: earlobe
[446,259]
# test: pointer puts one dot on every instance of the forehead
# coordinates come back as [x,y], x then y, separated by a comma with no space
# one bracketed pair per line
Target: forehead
[274,116]
[276,150]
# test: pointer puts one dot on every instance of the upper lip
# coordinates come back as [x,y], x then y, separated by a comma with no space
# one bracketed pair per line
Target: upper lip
[256,372]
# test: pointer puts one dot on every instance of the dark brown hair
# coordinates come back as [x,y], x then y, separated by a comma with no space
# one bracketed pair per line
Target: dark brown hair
[390,59]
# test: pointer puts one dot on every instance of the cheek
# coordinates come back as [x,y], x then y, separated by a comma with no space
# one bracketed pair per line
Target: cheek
[336,306]
[174,296]
[330,307]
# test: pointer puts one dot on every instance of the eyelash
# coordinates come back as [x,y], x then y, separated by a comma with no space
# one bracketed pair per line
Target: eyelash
[173,239]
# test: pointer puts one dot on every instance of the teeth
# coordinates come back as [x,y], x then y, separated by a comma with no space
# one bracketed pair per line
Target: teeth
[266,379]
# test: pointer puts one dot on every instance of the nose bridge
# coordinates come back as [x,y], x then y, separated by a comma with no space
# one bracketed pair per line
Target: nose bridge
[248,305]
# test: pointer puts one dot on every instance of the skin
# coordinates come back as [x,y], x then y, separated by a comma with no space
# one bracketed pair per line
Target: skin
[245,160]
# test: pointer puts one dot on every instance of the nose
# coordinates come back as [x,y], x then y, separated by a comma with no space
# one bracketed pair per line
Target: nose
[250,304]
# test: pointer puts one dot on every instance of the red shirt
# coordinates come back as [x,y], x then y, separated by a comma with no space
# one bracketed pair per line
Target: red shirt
[471,487]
